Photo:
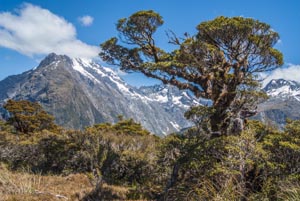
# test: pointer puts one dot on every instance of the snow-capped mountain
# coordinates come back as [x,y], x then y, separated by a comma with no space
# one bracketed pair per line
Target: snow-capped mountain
[170,96]
[283,88]
[283,102]
[81,93]
[174,101]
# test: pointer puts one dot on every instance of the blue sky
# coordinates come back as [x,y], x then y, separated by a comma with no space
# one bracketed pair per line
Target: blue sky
[31,29]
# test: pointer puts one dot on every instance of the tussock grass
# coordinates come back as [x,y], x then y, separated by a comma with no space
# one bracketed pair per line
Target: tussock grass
[29,187]
[210,191]
[18,183]
[289,191]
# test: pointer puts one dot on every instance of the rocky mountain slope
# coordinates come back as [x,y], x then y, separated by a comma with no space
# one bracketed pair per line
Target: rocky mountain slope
[283,102]
[80,93]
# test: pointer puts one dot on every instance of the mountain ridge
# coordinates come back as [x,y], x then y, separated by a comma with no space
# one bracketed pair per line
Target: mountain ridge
[81,93]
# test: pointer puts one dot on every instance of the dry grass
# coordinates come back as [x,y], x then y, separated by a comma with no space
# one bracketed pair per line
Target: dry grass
[24,186]
[108,192]
[27,187]
[207,190]
[18,183]
[289,191]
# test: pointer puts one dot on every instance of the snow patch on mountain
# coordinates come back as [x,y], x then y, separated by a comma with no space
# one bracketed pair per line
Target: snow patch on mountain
[161,98]
[175,125]
[77,65]
[283,88]
[84,67]
[171,96]
[163,94]
[283,102]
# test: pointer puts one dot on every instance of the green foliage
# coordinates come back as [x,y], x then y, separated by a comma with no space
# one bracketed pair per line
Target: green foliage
[130,127]
[200,116]
[258,37]
[230,167]
[127,126]
[119,154]
[139,28]
[284,148]
[124,161]
[5,127]
[129,152]
[28,117]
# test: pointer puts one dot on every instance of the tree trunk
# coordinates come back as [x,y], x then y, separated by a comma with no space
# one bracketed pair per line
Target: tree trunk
[219,123]
[222,103]
[174,176]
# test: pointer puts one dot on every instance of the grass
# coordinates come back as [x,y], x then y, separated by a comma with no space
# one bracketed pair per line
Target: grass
[18,183]
[289,191]
[25,186]
[29,187]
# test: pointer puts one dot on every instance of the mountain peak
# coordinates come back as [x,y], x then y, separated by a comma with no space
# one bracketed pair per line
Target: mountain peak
[275,84]
[52,57]
[283,88]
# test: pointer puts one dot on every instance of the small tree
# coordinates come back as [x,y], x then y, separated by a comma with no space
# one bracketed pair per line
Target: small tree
[28,117]
[218,63]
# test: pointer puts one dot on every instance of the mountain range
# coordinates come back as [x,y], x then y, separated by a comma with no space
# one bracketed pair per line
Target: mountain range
[80,93]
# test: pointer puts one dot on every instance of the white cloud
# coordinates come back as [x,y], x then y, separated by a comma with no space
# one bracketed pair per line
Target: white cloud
[36,31]
[86,20]
[291,72]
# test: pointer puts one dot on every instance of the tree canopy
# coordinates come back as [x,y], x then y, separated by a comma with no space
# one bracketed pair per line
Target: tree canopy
[219,63]
[27,117]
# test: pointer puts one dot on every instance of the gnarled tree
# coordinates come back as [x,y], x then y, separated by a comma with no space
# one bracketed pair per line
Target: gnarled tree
[218,63]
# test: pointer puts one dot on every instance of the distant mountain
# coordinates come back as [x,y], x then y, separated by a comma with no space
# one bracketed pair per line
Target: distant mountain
[283,89]
[81,93]
[283,102]
[175,102]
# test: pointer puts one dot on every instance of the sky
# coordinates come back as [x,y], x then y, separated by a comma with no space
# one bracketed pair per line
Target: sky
[29,30]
